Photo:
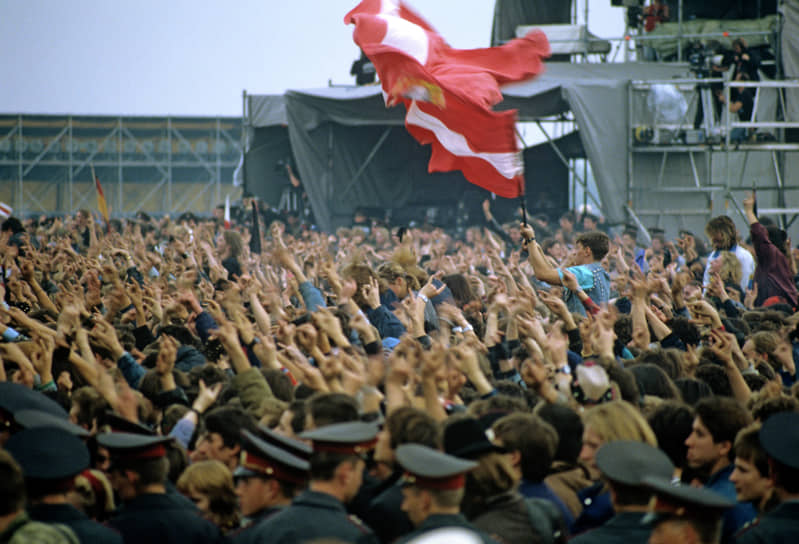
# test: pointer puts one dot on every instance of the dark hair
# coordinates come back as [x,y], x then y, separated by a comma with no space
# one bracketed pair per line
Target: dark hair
[598,242]
[747,446]
[669,360]
[692,391]
[755,382]
[714,375]
[324,464]
[535,440]
[672,421]
[171,416]
[723,417]
[626,382]
[630,495]
[460,288]
[13,497]
[652,380]
[569,426]
[279,383]
[411,425]
[297,409]
[228,423]
[329,408]
[764,408]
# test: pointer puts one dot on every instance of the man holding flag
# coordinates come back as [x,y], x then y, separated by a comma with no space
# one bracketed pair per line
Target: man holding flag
[448,93]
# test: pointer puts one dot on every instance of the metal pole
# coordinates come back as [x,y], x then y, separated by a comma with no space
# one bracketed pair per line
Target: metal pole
[218,159]
[21,143]
[119,166]
[585,34]
[169,163]
[69,176]
[245,138]
[679,30]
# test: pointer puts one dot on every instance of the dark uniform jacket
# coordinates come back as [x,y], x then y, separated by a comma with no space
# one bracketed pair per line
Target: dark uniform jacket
[780,526]
[88,530]
[248,533]
[313,515]
[438,521]
[385,515]
[158,518]
[624,528]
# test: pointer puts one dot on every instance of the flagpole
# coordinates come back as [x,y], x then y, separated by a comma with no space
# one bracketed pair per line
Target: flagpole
[105,204]
[522,201]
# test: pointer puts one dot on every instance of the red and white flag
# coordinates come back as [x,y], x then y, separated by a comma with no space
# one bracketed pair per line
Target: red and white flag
[5,210]
[448,93]
[227,212]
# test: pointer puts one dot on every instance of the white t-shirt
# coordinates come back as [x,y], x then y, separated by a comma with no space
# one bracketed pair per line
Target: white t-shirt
[747,266]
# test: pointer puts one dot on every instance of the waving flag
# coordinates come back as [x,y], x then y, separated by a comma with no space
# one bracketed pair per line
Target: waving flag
[102,205]
[449,93]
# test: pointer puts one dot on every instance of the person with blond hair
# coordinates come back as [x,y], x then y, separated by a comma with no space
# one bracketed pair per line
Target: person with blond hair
[603,424]
[209,485]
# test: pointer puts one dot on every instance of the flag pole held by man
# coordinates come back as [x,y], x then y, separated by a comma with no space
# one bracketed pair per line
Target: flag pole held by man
[449,93]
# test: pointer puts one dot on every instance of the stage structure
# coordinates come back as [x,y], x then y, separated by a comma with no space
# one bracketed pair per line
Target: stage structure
[152,164]
[648,167]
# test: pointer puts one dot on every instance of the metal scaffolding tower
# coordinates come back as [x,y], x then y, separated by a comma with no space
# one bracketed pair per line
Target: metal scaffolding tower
[152,164]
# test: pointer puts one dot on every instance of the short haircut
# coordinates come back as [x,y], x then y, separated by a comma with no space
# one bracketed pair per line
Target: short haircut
[329,408]
[151,471]
[671,421]
[228,423]
[569,426]
[13,497]
[723,417]
[598,242]
[324,464]
[535,439]
[630,495]
[408,425]
[747,446]
[714,375]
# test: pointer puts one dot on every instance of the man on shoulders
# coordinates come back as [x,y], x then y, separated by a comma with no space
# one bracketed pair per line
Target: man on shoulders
[593,281]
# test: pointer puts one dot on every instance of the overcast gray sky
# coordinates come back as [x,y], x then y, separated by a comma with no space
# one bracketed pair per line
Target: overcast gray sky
[194,57]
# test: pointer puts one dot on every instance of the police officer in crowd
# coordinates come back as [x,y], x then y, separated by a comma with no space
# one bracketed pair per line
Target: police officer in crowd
[624,464]
[337,466]
[433,490]
[271,473]
[149,514]
[685,514]
[51,458]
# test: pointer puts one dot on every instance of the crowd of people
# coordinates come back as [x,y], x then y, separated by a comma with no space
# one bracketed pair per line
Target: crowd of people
[173,380]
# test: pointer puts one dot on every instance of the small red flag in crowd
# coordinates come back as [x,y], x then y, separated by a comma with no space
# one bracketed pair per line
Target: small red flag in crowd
[448,93]
[102,205]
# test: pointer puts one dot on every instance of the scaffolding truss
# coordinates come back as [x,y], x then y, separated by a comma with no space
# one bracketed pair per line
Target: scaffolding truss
[691,170]
[152,164]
